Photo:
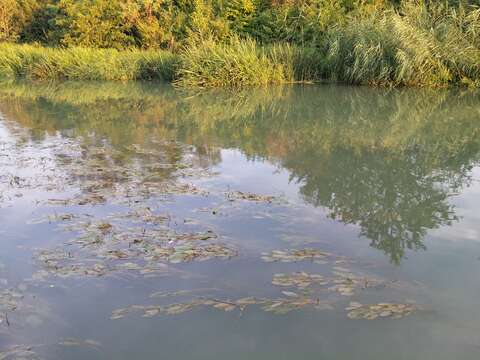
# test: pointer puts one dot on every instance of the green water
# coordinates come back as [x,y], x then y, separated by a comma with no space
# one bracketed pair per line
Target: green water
[111,192]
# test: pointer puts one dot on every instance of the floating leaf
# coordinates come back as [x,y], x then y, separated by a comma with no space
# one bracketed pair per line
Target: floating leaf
[381,310]
[295,255]
[301,280]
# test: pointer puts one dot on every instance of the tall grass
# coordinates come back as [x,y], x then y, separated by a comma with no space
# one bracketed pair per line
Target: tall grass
[299,64]
[244,62]
[84,64]
[240,62]
[437,47]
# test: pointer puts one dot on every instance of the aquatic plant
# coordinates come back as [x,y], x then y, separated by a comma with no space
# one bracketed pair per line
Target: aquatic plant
[381,310]
[296,255]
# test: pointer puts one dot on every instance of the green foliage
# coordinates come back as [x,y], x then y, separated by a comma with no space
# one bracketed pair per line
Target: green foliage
[15,16]
[94,23]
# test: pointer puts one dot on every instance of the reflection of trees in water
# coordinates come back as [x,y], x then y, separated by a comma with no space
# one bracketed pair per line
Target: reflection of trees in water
[393,200]
[384,160]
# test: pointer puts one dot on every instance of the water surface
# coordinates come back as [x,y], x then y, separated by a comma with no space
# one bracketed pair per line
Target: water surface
[113,195]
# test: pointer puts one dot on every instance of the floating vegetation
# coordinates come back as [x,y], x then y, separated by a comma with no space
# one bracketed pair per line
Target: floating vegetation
[345,282]
[301,280]
[190,252]
[9,300]
[381,310]
[103,243]
[162,294]
[296,255]
[239,195]
[283,306]
[53,218]
[278,306]
[146,215]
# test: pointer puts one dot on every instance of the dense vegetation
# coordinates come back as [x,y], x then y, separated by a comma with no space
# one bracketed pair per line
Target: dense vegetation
[237,42]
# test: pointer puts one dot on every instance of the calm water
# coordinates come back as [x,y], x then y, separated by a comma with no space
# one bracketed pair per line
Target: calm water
[113,195]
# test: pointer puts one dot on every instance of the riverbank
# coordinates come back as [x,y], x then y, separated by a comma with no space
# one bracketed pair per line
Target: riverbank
[390,51]
[208,43]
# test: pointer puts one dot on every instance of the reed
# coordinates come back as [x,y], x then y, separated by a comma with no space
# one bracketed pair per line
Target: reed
[77,63]
[417,48]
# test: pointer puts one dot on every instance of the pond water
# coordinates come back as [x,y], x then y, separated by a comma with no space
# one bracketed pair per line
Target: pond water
[140,221]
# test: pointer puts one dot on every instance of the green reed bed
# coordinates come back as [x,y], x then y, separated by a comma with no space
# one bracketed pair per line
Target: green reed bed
[417,48]
[240,62]
[84,64]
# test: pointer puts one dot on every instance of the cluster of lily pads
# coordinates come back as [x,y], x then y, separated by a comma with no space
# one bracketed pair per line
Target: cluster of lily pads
[105,247]
[240,195]
[277,306]
[301,280]
[343,282]
[103,173]
[295,255]
[381,310]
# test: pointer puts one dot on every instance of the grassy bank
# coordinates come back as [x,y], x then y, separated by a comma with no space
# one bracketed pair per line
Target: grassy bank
[408,49]
[36,62]
[245,62]
[202,64]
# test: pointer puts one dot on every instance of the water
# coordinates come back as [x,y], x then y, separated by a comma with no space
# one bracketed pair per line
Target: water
[110,193]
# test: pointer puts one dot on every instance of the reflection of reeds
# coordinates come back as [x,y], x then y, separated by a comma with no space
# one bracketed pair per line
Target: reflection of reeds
[266,121]
[85,92]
